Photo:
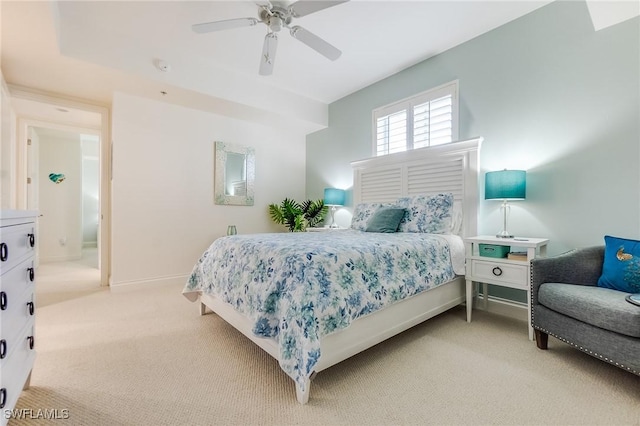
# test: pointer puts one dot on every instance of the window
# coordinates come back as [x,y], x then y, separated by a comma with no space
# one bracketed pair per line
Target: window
[427,119]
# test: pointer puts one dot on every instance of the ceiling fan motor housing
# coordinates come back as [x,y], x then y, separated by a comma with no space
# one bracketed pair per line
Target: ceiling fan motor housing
[275,18]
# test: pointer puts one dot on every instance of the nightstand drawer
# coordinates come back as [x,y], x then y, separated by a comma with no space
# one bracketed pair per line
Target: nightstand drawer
[501,272]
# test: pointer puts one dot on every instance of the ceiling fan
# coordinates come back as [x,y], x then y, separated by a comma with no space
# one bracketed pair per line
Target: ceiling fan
[276,15]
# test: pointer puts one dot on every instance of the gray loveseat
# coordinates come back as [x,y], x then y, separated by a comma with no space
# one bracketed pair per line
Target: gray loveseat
[567,304]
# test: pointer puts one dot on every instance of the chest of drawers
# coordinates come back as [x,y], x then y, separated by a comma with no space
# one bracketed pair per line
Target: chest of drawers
[17,308]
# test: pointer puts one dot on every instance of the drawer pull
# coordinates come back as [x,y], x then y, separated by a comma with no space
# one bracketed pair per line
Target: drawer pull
[3,301]
[4,252]
[3,397]
[32,240]
[32,274]
[31,307]
[32,341]
[3,348]
[497,271]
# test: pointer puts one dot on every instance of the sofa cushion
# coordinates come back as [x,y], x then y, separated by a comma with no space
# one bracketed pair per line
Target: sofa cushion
[621,268]
[601,307]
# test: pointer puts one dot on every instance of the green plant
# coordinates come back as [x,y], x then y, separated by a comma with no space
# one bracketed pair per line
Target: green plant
[298,216]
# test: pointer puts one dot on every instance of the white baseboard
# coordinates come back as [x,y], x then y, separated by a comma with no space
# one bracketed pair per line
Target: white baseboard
[177,281]
[505,307]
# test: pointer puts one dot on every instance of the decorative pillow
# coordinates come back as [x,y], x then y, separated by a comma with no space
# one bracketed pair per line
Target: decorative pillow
[362,213]
[385,219]
[621,268]
[430,214]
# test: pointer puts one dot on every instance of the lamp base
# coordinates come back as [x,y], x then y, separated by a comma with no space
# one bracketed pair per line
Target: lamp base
[333,220]
[505,209]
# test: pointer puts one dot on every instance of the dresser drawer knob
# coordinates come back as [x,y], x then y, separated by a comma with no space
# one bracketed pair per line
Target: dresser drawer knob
[32,240]
[32,341]
[32,274]
[497,271]
[3,301]
[3,397]
[3,348]
[31,307]
[4,252]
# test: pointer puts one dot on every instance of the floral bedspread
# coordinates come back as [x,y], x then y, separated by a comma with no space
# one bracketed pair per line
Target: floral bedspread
[298,287]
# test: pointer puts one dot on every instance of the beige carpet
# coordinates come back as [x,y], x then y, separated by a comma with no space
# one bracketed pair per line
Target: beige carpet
[147,358]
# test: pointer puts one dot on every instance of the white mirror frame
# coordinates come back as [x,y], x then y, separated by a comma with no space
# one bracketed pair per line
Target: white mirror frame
[220,196]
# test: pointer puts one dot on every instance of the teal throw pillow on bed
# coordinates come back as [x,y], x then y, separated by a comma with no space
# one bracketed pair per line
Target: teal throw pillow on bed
[385,219]
[621,267]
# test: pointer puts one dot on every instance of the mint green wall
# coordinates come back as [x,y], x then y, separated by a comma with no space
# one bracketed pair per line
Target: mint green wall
[549,95]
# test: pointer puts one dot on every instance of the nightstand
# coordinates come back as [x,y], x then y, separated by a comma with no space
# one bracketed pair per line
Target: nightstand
[501,270]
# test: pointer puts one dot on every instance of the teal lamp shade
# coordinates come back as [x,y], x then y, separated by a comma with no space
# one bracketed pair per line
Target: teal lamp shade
[334,197]
[505,185]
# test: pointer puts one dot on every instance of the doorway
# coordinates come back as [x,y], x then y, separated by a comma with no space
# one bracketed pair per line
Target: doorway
[63,186]
[63,164]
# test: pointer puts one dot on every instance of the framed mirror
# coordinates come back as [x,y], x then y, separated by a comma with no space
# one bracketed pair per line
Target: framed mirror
[234,179]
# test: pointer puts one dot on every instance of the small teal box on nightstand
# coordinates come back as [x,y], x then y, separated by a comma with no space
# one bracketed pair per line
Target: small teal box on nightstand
[493,250]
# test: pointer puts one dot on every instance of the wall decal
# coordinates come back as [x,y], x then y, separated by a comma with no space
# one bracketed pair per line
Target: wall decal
[56,177]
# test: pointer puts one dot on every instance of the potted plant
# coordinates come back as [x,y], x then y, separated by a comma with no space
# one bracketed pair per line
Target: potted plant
[298,216]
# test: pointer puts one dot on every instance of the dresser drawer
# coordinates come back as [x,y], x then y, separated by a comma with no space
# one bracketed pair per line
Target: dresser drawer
[17,243]
[502,272]
[16,299]
[16,369]
[18,344]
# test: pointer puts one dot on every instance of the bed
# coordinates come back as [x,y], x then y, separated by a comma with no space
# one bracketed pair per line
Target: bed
[312,300]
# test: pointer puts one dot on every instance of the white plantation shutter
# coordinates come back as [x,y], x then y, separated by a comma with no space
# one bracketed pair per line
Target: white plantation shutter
[427,119]
[391,133]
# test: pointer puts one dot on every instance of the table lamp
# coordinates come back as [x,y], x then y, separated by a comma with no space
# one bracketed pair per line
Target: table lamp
[505,185]
[334,197]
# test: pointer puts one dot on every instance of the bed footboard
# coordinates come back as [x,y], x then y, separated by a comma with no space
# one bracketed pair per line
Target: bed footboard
[361,334]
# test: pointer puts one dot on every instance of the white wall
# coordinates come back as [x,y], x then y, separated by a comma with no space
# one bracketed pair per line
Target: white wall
[59,204]
[7,148]
[163,215]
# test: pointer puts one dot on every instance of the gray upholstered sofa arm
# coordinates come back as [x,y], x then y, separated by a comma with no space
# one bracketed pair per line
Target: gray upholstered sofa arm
[580,266]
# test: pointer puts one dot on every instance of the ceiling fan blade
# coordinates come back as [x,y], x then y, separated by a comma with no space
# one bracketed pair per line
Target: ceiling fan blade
[268,53]
[306,7]
[316,43]
[207,27]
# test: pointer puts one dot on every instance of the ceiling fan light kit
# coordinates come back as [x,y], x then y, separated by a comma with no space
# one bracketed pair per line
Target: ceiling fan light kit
[275,17]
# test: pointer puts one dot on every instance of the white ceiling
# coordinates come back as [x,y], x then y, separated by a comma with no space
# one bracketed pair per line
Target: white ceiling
[89,49]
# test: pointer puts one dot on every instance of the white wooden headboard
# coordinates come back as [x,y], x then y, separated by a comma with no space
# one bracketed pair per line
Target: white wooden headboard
[443,168]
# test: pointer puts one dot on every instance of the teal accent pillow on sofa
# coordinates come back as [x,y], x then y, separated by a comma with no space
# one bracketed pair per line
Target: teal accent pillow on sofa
[621,267]
[385,219]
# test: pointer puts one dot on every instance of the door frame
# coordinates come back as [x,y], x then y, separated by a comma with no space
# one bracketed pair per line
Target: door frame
[23,124]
